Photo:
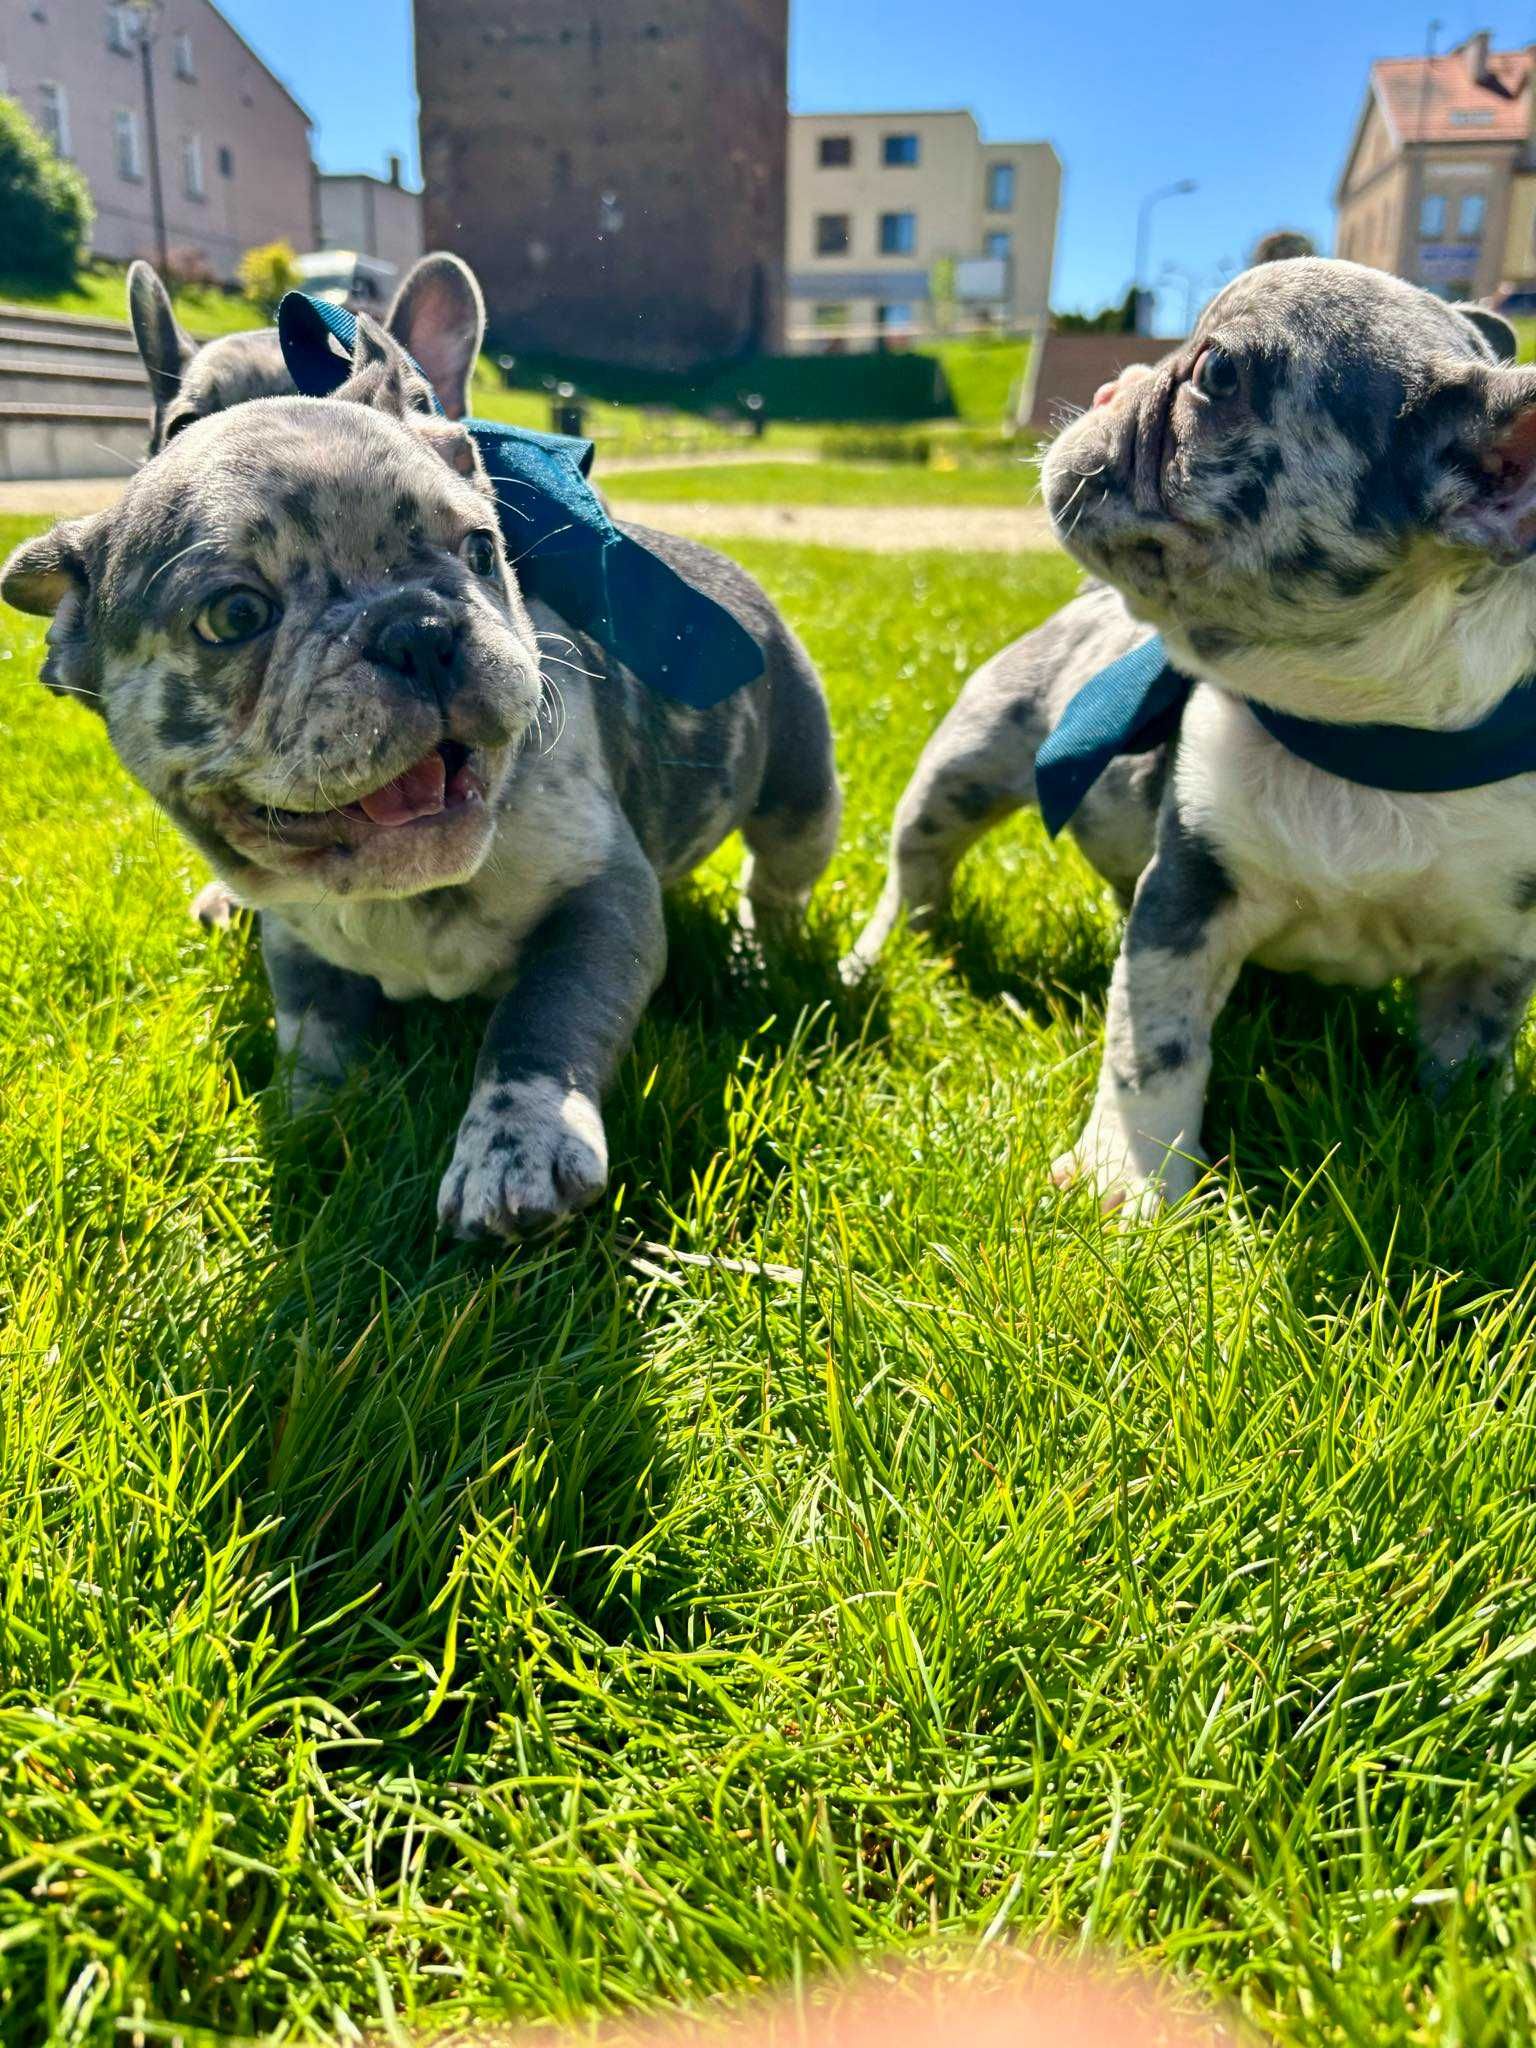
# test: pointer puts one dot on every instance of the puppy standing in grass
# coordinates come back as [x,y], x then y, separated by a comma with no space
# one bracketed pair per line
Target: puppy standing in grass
[304,634]
[1326,504]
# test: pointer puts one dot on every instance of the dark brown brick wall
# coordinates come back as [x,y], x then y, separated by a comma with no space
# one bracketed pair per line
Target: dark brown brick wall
[533,110]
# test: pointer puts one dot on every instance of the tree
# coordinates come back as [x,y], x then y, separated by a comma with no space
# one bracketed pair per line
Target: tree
[45,205]
[267,273]
[1117,319]
[1281,244]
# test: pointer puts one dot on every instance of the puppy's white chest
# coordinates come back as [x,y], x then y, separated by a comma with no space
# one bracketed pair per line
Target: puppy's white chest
[1363,885]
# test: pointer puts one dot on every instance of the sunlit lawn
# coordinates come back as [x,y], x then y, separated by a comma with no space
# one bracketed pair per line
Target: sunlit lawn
[836,1539]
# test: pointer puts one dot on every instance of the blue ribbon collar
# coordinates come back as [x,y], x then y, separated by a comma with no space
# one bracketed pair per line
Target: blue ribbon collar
[1138,701]
[567,551]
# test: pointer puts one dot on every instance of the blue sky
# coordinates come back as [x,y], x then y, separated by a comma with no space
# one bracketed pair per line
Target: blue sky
[1255,101]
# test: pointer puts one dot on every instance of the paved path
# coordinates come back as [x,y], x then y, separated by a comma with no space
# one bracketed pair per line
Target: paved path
[883,529]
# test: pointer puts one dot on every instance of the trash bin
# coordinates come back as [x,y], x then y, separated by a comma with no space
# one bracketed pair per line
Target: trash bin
[565,412]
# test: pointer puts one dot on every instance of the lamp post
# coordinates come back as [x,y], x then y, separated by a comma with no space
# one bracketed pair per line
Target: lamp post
[1181,274]
[145,15]
[1143,229]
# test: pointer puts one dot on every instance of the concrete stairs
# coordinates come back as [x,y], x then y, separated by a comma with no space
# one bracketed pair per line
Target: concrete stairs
[74,400]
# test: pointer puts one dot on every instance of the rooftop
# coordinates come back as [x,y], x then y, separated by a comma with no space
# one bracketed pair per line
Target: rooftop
[1471,94]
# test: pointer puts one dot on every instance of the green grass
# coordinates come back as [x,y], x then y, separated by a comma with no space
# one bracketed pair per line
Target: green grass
[103,293]
[983,374]
[829,483]
[617,429]
[836,1539]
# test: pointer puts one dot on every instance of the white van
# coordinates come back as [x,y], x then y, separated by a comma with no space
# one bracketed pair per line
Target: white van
[346,277]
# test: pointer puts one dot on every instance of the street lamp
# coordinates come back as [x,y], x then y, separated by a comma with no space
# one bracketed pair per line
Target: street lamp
[1181,273]
[1143,228]
[146,14]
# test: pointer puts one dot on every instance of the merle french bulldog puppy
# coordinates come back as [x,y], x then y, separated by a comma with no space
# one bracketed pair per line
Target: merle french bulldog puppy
[1326,504]
[302,629]
[436,306]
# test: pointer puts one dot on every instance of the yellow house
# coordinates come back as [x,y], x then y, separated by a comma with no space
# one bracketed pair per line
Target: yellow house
[1440,182]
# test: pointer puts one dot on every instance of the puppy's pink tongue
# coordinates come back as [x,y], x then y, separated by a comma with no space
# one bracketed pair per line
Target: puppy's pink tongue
[418,793]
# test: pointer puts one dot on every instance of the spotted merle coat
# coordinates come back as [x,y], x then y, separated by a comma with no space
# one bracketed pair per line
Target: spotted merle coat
[1325,502]
[301,627]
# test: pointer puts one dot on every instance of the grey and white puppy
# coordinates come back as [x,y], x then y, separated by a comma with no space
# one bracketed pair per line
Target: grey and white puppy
[1325,502]
[432,315]
[301,627]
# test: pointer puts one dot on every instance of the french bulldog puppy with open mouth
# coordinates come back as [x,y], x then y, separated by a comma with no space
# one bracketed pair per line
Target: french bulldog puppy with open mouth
[1294,722]
[308,643]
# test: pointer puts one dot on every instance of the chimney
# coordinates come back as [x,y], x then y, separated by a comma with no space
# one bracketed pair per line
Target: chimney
[1474,54]
[396,164]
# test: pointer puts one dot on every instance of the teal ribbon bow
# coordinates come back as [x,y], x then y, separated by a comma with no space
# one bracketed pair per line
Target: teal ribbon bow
[566,551]
[1138,702]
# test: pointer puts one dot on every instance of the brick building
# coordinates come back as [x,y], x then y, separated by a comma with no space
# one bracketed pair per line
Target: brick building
[613,169]
[234,143]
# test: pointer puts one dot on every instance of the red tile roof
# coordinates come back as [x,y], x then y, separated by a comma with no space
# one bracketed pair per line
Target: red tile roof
[1436,99]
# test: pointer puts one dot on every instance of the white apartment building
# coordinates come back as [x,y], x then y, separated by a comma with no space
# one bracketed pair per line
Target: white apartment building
[903,223]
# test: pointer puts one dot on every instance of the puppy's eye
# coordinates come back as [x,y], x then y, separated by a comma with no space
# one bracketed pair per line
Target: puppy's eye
[233,616]
[478,552]
[1216,374]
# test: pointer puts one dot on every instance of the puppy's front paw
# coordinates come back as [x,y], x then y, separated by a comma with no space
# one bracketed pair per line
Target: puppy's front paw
[216,906]
[1132,1177]
[528,1153]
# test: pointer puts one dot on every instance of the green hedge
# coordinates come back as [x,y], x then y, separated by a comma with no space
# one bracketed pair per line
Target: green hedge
[815,389]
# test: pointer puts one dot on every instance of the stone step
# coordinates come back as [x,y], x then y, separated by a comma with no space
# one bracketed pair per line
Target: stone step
[86,327]
[78,351]
[46,382]
[39,440]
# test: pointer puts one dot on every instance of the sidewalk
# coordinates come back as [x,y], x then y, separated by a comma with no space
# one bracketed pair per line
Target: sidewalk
[879,529]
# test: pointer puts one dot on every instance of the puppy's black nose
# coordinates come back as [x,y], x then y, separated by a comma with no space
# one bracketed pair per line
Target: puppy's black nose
[420,646]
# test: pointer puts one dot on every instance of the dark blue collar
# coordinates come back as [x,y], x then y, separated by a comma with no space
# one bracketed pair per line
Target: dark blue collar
[566,551]
[1137,703]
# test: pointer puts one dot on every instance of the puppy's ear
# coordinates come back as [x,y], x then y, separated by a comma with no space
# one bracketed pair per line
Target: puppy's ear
[1494,329]
[163,348]
[383,376]
[438,315]
[51,577]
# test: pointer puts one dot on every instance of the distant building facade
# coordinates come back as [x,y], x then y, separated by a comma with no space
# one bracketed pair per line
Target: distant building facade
[1440,183]
[375,216]
[613,169]
[234,143]
[901,222]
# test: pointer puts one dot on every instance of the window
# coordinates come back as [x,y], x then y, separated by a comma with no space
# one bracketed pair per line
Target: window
[831,234]
[899,150]
[53,116]
[998,243]
[192,167]
[120,35]
[834,152]
[1471,117]
[898,234]
[181,57]
[226,163]
[895,318]
[999,188]
[1432,215]
[1473,207]
[830,316]
[125,137]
